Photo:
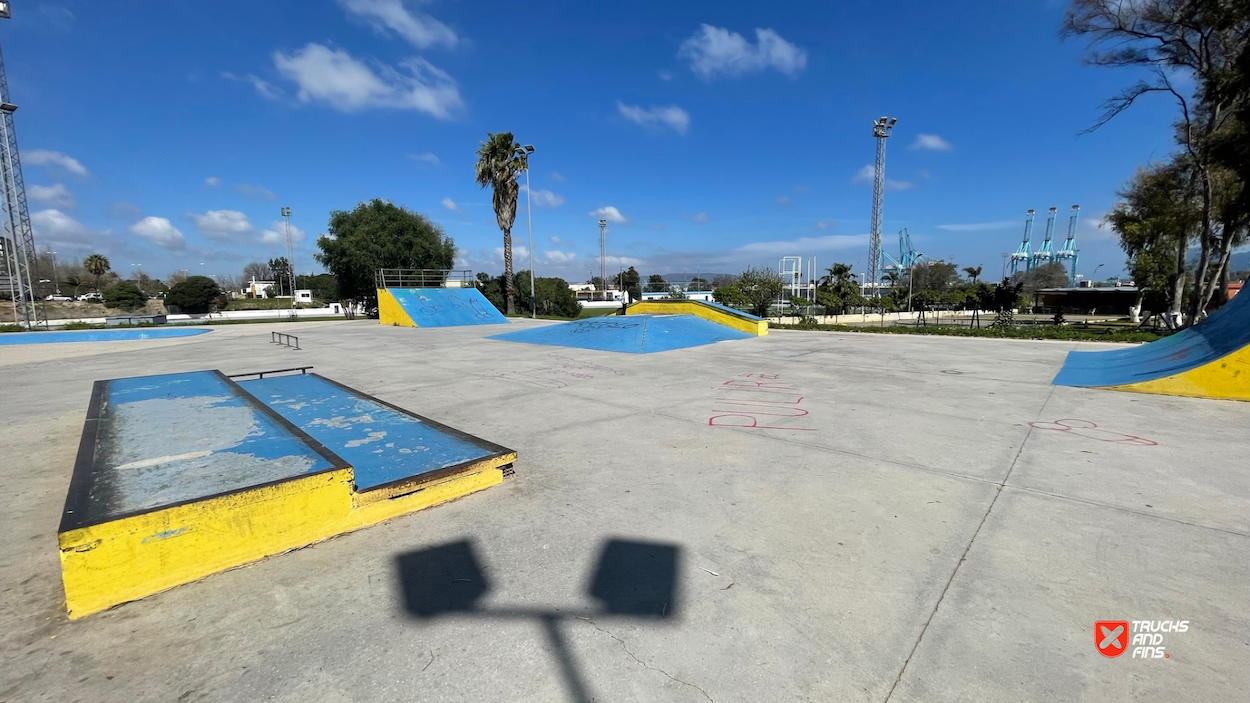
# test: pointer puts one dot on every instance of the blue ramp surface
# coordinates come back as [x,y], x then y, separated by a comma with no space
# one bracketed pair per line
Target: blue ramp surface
[631,334]
[380,442]
[162,440]
[1227,330]
[447,307]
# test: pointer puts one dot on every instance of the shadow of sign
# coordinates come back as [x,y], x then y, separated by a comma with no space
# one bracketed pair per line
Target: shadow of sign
[631,579]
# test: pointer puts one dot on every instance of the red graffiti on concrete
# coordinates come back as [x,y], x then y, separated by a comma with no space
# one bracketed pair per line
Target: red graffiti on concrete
[1090,430]
[758,401]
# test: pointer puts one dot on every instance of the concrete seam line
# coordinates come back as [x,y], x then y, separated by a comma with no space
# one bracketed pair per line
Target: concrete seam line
[643,663]
[1131,511]
[967,549]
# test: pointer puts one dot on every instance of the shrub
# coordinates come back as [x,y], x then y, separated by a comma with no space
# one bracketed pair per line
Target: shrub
[124,295]
[194,295]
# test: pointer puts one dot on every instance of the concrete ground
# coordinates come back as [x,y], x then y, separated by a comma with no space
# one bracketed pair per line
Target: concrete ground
[876,521]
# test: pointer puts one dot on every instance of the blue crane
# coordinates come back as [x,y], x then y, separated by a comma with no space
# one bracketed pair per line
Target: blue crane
[1046,252]
[907,255]
[1069,250]
[1023,253]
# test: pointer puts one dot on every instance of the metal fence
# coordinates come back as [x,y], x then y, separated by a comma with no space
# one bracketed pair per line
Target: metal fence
[424,278]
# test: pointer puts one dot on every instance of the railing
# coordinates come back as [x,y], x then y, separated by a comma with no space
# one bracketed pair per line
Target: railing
[287,340]
[423,278]
[261,374]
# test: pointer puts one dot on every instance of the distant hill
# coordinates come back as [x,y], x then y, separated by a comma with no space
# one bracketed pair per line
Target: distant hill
[1239,261]
[682,279]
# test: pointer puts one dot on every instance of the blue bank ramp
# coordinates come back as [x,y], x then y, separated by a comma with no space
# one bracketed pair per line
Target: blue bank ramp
[383,443]
[436,307]
[1209,360]
[632,334]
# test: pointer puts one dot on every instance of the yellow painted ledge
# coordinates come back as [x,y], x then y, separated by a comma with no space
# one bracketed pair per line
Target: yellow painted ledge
[1225,378]
[111,563]
[390,312]
[710,313]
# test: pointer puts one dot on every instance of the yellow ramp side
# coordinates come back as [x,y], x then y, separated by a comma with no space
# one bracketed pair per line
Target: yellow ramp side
[1227,377]
[121,560]
[712,313]
[390,312]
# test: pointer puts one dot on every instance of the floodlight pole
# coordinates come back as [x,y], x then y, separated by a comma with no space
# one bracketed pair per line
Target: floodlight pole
[881,129]
[603,255]
[290,256]
[528,150]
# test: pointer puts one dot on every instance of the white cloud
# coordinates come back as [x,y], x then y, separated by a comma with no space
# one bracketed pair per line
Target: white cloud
[981,226]
[266,89]
[829,242]
[222,225]
[57,196]
[825,224]
[608,213]
[450,205]
[672,116]
[519,252]
[557,177]
[714,51]
[426,158]
[783,200]
[544,198]
[931,142]
[55,158]
[613,260]
[212,181]
[420,30]
[53,228]
[553,239]
[700,218]
[665,75]
[868,172]
[255,192]
[160,232]
[559,257]
[334,77]
[276,233]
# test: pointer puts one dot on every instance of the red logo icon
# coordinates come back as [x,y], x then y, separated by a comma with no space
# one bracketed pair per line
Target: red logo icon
[1111,637]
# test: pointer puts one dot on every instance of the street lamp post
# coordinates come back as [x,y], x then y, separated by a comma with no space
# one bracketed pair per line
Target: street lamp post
[56,281]
[1094,276]
[603,256]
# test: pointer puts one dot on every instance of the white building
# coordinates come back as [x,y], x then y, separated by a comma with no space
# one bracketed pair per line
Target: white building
[259,289]
[303,295]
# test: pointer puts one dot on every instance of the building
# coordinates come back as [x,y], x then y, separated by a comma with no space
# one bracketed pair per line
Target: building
[303,295]
[259,289]
[1088,301]
[704,295]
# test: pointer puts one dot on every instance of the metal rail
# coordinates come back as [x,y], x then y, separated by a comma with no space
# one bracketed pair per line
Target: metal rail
[261,374]
[423,278]
[284,339]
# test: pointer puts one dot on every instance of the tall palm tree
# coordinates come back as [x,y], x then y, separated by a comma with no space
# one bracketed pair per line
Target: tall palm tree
[97,265]
[973,272]
[836,274]
[500,159]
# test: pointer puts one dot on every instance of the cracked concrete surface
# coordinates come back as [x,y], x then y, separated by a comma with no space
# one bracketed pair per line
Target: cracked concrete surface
[910,538]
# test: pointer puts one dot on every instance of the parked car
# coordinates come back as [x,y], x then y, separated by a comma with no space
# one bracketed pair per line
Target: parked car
[93,297]
[59,298]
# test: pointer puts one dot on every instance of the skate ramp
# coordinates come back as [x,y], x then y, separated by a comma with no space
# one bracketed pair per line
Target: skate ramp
[436,307]
[712,312]
[632,334]
[1209,360]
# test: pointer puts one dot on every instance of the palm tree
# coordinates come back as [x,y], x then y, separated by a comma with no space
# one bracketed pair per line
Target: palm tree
[97,265]
[500,160]
[837,274]
[973,272]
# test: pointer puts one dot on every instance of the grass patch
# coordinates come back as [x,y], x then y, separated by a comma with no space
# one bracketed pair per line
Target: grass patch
[597,312]
[265,304]
[1065,332]
[12,328]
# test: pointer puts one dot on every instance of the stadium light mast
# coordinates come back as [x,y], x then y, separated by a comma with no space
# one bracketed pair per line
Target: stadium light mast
[17,239]
[881,129]
[290,256]
[603,254]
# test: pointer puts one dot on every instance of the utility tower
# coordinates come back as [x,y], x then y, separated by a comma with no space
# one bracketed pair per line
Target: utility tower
[1069,250]
[1023,253]
[17,240]
[603,254]
[290,254]
[881,130]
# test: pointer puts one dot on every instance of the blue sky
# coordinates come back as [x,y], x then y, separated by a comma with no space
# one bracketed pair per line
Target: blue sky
[712,135]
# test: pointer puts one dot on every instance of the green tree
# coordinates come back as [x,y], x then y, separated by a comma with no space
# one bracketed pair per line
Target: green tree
[1052,274]
[631,281]
[195,295]
[281,269]
[97,265]
[972,272]
[124,295]
[839,289]
[552,296]
[934,276]
[324,286]
[730,295]
[656,283]
[1156,220]
[379,234]
[698,283]
[760,287]
[500,159]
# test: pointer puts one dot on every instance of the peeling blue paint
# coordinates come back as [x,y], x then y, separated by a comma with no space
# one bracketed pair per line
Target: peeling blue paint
[381,444]
[631,334]
[96,335]
[164,535]
[447,307]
